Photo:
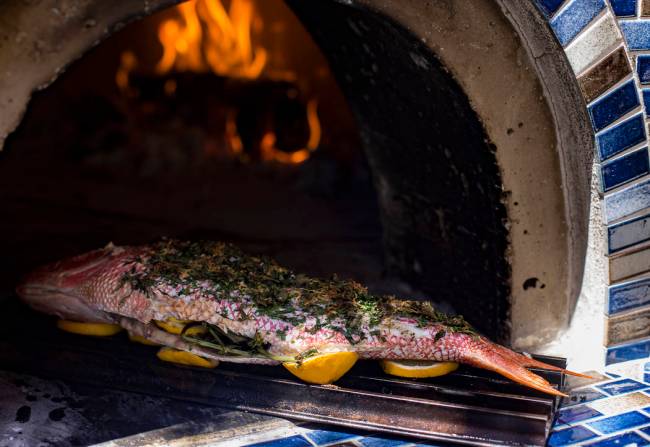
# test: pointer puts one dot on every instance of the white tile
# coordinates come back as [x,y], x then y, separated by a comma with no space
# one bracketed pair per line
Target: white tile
[621,404]
[594,43]
[629,265]
[629,233]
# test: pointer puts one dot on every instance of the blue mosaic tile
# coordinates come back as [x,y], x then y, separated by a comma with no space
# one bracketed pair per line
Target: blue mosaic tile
[612,375]
[626,439]
[643,69]
[621,387]
[628,201]
[624,8]
[548,7]
[620,422]
[291,441]
[583,395]
[574,18]
[624,235]
[620,137]
[321,437]
[613,106]
[629,351]
[645,430]
[625,169]
[372,441]
[576,414]
[637,34]
[645,94]
[628,296]
[570,436]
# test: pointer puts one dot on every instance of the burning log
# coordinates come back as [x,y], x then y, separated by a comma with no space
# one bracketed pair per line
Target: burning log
[258,120]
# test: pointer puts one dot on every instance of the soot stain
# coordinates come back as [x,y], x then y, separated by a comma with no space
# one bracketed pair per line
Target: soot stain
[57,414]
[23,414]
[533,283]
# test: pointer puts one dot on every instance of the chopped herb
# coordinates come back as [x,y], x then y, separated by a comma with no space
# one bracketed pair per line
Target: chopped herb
[281,333]
[305,355]
[257,286]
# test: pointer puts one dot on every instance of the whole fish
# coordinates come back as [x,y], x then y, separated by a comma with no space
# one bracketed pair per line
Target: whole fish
[276,313]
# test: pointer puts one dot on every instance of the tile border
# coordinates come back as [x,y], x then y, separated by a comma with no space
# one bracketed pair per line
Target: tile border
[607,43]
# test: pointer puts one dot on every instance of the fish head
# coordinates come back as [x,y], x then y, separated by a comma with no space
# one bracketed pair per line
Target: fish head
[64,288]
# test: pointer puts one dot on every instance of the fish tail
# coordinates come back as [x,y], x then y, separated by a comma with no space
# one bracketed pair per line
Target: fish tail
[487,355]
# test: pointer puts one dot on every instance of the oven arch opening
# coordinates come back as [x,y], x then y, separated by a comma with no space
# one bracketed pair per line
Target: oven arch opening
[486,60]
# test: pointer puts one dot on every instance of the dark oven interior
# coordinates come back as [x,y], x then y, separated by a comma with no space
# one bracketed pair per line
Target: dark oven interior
[319,133]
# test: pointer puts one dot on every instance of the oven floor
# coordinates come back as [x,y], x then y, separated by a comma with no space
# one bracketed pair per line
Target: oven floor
[38,412]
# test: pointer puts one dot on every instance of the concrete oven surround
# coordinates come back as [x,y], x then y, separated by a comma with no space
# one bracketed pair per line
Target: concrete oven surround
[534,103]
[604,42]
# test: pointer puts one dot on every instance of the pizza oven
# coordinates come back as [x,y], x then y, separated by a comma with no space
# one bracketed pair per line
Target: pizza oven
[431,150]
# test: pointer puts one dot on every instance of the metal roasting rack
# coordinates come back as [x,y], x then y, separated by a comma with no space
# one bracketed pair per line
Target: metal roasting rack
[469,406]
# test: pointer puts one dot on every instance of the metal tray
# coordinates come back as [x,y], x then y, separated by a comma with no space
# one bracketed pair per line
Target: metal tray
[469,406]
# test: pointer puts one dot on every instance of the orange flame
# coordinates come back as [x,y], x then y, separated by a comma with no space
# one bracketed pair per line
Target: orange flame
[270,153]
[232,135]
[207,38]
[128,62]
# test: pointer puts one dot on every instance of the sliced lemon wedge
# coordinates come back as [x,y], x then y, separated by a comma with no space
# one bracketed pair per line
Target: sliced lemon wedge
[94,329]
[417,369]
[185,358]
[172,325]
[140,339]
[195,330]
[324,368]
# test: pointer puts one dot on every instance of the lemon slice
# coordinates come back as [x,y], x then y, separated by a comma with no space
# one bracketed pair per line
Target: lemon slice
[94,329]
[195,330]
[172,325]
[324,368]
[185,358]
[417,369]
[140,339]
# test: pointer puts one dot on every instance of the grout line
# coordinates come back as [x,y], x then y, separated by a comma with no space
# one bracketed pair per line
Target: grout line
[628,312]
[643,247]
[639,246]
[600,17]
[593,65]
[639,277]
[640,213]
[624,186]
[559,10]
[629,114]
[624,153]
[639,6]
[620,154]
[611,89]
[629,343]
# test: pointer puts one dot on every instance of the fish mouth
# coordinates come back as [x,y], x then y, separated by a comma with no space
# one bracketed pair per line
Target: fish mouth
[63,303]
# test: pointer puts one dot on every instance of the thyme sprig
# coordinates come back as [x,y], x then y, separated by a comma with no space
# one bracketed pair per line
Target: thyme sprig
[265,288]
[229,344]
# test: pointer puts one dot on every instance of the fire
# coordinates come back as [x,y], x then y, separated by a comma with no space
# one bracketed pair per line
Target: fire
[205,37]
[271,153]
[232,135]
[127,64]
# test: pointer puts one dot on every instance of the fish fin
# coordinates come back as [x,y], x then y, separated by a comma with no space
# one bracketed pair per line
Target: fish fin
[487,355]
[532,363]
